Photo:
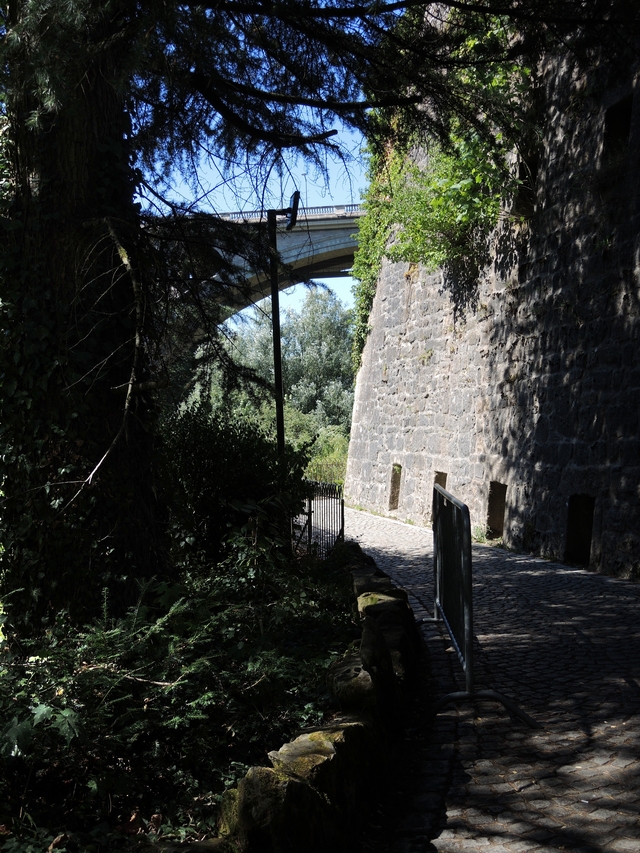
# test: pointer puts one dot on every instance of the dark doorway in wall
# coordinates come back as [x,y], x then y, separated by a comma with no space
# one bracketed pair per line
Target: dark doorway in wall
[525,197]
[617,128]
[579,530]
[495,513]
[394,493]
[440,479]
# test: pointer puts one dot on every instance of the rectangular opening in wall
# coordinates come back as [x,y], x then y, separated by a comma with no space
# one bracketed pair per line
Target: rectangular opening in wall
[495,513]
[394,492]
[439,479]
[525,198]
[579,530]
[617,129]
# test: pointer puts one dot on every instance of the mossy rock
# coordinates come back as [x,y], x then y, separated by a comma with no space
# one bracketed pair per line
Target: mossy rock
[390,611]
[339,760]
[363,583]
[402,651]
[304,757]
[352,685]
[228,816]
[278,813]
[360,761]
[378,661]
[370,599]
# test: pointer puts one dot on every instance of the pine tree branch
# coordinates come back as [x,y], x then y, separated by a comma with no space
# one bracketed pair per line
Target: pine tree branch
[319,103]
[203,86]
[364,12]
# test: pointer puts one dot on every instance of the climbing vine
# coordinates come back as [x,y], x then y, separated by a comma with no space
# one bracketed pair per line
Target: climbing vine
[436,202]
[373,235]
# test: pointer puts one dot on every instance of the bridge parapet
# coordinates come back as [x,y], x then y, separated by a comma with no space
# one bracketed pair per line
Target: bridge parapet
[330,211]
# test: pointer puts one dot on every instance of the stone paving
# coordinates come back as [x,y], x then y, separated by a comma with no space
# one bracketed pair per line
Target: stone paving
[564,644]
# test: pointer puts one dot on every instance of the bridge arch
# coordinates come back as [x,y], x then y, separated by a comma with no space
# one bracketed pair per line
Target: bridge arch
[321,245]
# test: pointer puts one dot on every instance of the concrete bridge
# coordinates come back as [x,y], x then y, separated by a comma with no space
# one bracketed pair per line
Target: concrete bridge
[321,245]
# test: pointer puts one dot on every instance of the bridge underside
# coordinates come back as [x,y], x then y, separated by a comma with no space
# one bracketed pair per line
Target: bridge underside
[319,247]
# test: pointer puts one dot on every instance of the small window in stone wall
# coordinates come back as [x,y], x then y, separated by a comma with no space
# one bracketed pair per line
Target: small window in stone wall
[617,129]
[394,493]
[495,512]
[579,530]
[440,479]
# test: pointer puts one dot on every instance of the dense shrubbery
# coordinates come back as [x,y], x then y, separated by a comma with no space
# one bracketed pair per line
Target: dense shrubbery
[219,465]
[106,726]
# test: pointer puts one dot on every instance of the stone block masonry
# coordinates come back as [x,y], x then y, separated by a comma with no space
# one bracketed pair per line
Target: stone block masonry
[526,399]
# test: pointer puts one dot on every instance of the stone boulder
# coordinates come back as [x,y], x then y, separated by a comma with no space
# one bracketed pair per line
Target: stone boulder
[340,759]
[280,813]
[352,685]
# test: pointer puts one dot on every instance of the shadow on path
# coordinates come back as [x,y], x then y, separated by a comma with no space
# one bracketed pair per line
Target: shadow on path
[565,645]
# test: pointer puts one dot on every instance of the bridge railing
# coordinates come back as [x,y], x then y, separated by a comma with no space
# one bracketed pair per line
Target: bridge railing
[324,210]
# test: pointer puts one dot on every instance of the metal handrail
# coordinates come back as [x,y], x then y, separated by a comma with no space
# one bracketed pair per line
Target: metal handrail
[454,595]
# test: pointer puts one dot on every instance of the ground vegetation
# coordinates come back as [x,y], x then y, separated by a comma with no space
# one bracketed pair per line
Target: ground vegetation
[131,729]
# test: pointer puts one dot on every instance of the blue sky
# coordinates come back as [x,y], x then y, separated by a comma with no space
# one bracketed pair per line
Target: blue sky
[294,297]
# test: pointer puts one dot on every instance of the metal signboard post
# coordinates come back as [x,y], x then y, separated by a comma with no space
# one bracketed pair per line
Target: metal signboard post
[291,213]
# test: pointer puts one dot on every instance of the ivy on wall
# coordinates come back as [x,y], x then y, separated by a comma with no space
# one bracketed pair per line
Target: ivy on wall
[436,203]
[374,230]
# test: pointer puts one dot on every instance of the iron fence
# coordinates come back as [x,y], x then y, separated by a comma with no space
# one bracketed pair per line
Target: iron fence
[454,594]
[321,523]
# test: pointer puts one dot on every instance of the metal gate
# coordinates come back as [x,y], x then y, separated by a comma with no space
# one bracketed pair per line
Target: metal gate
[452,568]
[321,523]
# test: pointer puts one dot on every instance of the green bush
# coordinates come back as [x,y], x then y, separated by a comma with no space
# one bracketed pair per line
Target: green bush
[328,462]
[216,463]
[436,203]
[158,712]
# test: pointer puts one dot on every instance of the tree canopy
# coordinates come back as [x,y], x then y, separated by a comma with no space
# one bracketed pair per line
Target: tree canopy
[106,282]
[316,355]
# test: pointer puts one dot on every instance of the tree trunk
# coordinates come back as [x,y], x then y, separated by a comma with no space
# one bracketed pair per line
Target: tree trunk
[80,512]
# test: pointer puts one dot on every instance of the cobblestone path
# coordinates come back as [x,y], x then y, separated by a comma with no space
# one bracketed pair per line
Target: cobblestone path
[564,644]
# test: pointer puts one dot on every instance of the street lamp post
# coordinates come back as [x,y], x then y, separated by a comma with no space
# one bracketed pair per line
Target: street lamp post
[291,213]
